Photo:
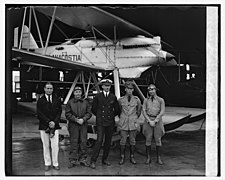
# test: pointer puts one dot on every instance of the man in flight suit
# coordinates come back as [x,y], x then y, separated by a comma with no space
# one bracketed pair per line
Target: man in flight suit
[78,112]
[153,110]
[105,107]
[130,106]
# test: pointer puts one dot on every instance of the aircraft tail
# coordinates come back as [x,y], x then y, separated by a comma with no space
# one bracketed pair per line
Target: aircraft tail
[28,41]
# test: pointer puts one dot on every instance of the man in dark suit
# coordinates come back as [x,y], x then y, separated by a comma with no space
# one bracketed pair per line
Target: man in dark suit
[105,107]
[49,112]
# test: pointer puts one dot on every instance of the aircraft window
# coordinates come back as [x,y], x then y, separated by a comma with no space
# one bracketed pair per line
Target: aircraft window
[59,48]
[31,50]
[135,46]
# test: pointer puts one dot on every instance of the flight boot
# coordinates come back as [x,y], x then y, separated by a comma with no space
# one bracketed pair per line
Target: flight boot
[158,154]
[122,154]
[132,160]
[73,163]
[148,152]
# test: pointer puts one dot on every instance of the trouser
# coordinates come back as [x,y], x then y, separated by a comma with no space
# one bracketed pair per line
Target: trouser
[124,134]
[149,132]
[102,131]
[78,139]
[54,141]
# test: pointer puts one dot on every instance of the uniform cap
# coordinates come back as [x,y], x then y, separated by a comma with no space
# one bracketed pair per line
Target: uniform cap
[106,82]
[129,84]
[77,88]
[152,86]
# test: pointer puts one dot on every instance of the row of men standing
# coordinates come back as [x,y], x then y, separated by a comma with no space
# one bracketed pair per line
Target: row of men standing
[105,107]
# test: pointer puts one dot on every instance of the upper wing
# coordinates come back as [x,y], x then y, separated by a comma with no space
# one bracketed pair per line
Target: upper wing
[31,58]
[87,17]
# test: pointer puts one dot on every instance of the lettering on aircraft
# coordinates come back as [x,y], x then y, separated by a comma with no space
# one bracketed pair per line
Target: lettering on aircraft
[74,57]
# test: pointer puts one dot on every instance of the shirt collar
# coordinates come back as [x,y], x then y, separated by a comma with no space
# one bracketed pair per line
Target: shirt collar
[154,97]
[128,95]
[46,95]
[106,93]
[76,100]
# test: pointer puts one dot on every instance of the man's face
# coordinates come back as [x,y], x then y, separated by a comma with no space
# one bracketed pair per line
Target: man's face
[48,89]
[129,91]
[152,91]
[77,94]
[106,87]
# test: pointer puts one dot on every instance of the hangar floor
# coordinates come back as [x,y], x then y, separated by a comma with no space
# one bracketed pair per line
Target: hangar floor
[183,153]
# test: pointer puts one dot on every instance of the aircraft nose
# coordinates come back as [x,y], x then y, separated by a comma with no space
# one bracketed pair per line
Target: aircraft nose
[169,57]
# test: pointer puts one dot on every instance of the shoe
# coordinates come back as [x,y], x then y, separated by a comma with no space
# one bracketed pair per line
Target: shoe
[159,161]
[47,168]
[106,163]
[132,160]
[148,161]
[92,165]
[73,163]
[84,163]
[56,167]
[122,160]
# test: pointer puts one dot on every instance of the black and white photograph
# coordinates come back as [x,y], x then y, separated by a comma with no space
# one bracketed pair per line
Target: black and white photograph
[129,90]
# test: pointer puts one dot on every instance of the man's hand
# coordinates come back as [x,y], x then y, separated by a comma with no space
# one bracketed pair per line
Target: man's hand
[156,120]
[151,123]
[80,121]
[51,124]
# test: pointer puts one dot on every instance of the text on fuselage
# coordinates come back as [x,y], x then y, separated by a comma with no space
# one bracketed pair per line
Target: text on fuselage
[75,57]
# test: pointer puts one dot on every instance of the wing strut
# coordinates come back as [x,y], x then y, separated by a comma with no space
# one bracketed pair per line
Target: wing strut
[88,86]
[29,30]
[139,91]
[80,77]
[21,36]
[38,29]
[116,82]
[102,34]
[114,34]
[95,81]
[50,30]
[72,87]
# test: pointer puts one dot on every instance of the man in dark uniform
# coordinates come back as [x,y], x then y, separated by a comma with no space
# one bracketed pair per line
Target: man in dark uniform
[49,112]
[105,107]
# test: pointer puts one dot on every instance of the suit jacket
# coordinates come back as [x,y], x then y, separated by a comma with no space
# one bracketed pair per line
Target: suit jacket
[47,113]
[105,109]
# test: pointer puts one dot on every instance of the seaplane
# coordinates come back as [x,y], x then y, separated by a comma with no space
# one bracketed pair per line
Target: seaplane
[125,57]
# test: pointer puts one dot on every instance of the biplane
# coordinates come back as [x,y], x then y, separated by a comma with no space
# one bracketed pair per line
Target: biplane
[117,47]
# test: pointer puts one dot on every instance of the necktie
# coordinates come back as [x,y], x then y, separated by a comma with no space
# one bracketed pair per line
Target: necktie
[152,98]
[106,94]
[49,98]
[49,102]
[128,98]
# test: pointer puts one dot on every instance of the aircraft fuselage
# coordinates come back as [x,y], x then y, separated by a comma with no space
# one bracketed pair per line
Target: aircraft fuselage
[126,53]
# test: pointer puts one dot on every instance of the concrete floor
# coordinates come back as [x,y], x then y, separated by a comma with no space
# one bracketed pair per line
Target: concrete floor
[183,153]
